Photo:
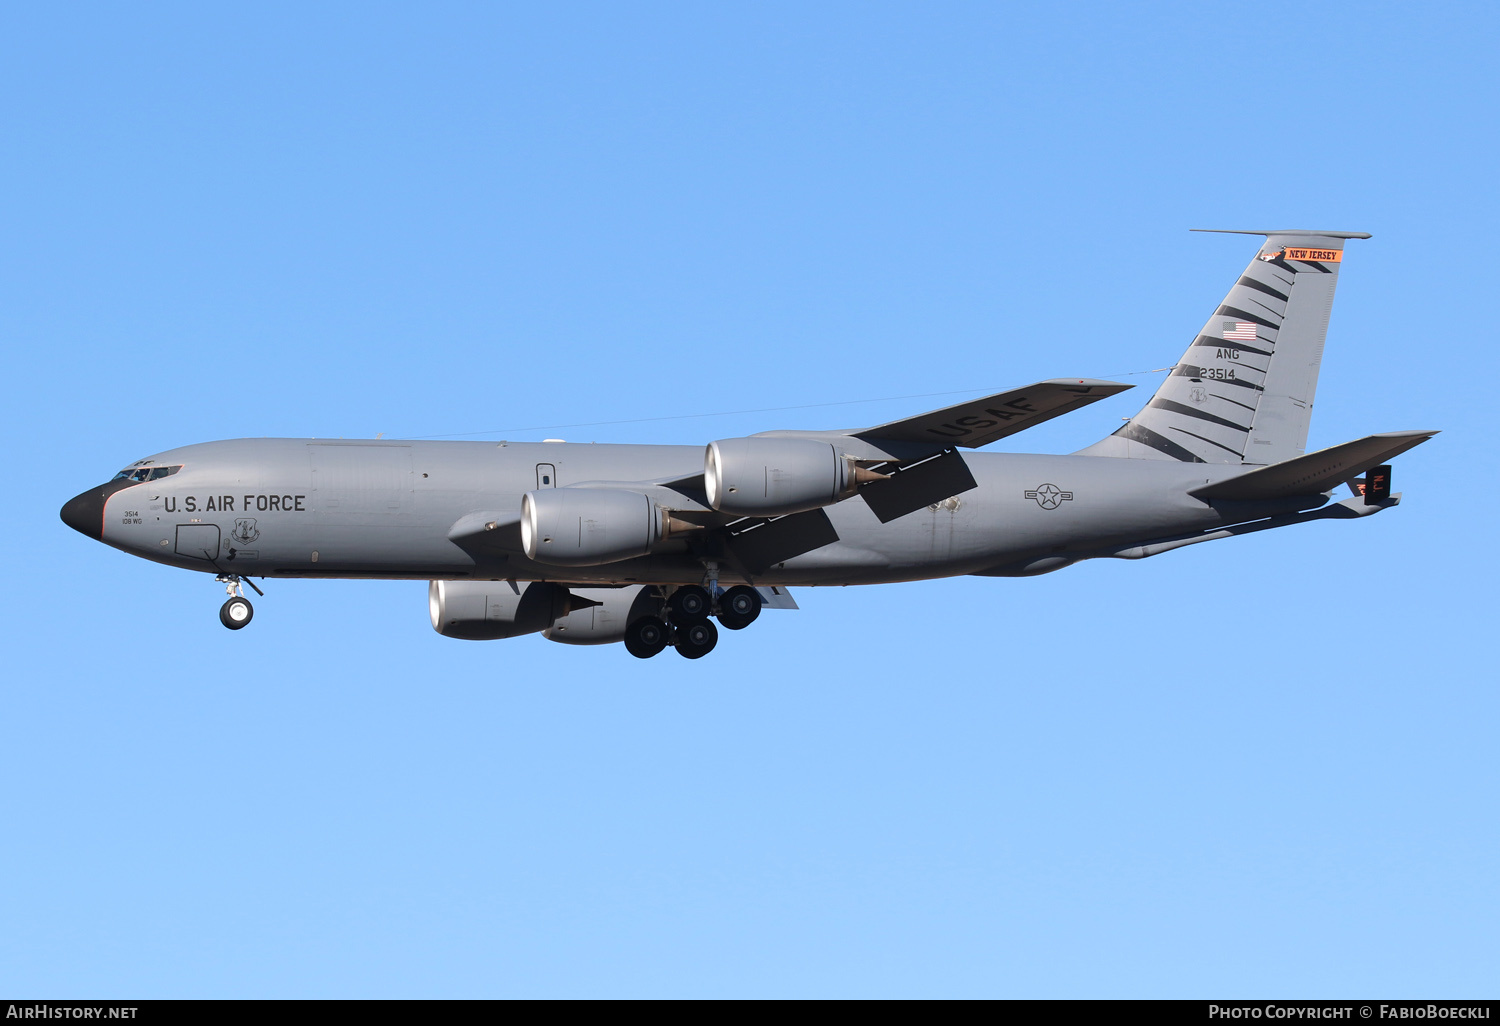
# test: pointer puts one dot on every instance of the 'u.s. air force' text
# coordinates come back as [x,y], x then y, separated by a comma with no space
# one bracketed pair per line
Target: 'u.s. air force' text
[226,504]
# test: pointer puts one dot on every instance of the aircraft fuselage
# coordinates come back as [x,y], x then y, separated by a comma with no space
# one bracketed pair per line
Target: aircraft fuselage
[336,508]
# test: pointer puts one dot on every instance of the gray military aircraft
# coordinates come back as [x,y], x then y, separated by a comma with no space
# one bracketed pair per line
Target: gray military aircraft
[647,544]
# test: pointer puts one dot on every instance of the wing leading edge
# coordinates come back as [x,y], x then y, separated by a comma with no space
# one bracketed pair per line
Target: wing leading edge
[982,421]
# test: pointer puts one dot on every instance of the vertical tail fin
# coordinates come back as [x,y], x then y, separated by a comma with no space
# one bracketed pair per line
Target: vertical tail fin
[1243,391]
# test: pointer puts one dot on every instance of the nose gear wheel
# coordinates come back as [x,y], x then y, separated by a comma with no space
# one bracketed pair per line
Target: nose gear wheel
[236,613]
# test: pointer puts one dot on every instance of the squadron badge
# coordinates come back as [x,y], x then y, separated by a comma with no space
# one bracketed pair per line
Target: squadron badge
[245,531]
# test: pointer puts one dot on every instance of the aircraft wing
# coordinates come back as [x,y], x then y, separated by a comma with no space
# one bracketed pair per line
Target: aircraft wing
[917,454]
[1317,471]
[982,421]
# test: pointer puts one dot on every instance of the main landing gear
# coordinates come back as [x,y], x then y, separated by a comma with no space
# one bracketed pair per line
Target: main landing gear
[237,611]
[687,626]
[649,635]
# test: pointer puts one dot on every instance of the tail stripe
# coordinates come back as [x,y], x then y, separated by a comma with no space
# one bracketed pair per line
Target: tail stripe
[1188,411]
[1278,314]
[1210,441]
[1139,433]
[1260,286]
[1229,311]
[1235,402]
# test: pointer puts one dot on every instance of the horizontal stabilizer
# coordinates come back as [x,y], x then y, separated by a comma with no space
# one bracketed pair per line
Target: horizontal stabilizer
[982,421]
[1317,471]
[1289,232]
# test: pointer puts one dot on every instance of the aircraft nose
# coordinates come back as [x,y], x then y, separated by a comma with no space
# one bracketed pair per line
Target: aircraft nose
[84,513]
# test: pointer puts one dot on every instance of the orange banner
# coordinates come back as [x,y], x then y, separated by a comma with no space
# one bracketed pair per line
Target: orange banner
[1322,256]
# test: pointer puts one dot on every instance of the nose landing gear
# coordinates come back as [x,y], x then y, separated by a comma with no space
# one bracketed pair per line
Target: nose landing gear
[237,611]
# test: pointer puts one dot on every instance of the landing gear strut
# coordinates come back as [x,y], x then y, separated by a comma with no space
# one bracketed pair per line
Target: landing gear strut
[237,611]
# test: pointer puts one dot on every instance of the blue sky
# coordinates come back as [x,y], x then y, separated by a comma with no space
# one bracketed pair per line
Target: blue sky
[1258,767]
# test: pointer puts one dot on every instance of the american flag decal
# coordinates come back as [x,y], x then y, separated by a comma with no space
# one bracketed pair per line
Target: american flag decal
[1239,331]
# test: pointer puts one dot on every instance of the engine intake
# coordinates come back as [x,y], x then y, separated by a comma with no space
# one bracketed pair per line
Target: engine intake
[588,526]
[761,477]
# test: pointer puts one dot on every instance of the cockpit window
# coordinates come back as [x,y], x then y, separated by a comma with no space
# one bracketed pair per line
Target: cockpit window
[139,474]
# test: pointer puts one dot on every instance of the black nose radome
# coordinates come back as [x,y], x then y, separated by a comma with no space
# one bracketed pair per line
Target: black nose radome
[85,513]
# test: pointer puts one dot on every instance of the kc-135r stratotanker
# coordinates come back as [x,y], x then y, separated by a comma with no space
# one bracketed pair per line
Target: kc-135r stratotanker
[647,544]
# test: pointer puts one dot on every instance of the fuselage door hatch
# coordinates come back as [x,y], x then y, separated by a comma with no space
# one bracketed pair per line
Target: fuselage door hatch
[200,541]
[546,475]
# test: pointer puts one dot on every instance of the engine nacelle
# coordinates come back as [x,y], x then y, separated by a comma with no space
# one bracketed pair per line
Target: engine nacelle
[762,477]
[587,526]
[605,622]
[488,610]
